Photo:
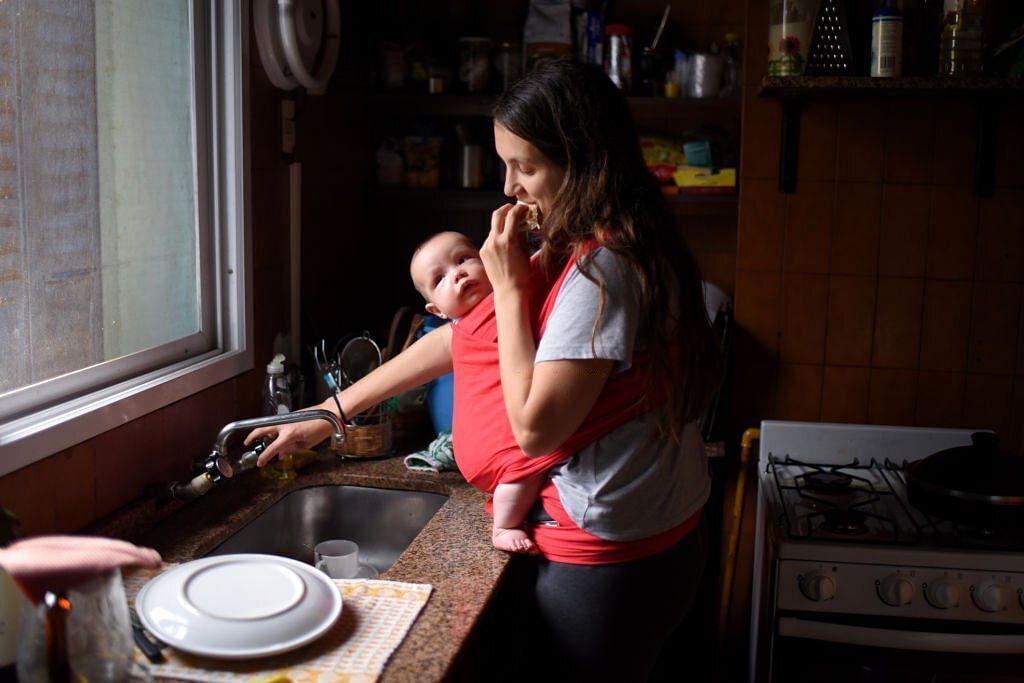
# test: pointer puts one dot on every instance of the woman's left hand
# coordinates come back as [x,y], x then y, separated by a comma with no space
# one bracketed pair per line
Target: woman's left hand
[504,252]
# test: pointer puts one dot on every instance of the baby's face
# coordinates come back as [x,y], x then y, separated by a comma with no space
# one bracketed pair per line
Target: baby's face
[448,272]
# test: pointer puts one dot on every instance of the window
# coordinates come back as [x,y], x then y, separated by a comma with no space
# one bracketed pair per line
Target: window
[121,213]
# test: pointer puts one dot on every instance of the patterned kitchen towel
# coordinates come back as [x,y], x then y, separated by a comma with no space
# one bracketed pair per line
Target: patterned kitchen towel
[438,457]
[375,616]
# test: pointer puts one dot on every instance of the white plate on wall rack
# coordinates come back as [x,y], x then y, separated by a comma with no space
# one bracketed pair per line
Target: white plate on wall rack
[239,606]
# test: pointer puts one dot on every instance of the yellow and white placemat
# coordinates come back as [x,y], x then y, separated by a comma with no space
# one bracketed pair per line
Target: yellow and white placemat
[375,616]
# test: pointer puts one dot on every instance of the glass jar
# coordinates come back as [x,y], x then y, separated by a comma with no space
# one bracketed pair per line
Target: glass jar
[474,63]
[962,44]
[509,64]
[82,633]
[789,35]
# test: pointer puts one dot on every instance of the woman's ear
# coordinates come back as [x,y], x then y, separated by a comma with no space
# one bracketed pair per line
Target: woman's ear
[432,309]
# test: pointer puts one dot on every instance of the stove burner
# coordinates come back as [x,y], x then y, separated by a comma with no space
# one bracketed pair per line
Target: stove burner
[827,482]
[847,522]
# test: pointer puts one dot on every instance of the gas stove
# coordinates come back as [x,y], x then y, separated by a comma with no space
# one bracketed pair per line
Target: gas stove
[841,555]
[862,503]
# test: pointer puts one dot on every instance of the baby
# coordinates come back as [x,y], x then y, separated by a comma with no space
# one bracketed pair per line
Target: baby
[448,272]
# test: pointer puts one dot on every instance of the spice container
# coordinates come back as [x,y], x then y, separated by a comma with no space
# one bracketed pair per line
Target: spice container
[617,56]
[474,63]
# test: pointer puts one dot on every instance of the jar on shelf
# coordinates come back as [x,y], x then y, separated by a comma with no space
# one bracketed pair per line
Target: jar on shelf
[618,62]
[474,63]
[509,64]
[789,35]
[962,44]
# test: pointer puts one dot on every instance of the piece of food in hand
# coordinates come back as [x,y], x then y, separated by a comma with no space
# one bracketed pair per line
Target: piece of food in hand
[532,216]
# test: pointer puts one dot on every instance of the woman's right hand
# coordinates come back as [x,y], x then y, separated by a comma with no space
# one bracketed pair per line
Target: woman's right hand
[504,252]
[289,438]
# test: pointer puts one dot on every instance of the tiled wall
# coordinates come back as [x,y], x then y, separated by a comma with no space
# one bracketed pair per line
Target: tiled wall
[71,489]
[882,291]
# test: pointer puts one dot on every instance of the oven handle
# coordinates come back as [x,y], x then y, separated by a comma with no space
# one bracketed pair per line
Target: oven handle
[963,643]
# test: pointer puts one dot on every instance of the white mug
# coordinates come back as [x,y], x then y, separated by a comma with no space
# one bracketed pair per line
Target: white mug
[339,559]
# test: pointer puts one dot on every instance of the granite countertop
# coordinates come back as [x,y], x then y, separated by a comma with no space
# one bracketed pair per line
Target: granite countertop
[453,552]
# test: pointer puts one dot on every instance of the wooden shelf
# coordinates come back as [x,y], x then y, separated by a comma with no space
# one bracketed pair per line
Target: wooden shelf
[911,86]
[486,200]
[643,108]
[985,92]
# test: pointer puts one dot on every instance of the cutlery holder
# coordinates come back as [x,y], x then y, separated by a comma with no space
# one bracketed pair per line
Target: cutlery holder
[366,440]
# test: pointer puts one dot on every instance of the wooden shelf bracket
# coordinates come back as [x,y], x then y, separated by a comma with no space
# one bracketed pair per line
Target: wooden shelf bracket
[789,148]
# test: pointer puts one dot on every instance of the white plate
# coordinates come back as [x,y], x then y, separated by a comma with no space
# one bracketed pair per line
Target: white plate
[239,606]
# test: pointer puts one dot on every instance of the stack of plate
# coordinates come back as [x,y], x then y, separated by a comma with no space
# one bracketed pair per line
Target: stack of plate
[239,606]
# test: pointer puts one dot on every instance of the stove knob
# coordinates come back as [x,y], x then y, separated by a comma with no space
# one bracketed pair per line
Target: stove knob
[991,596]
[818,586]
[942,593]
[896,591]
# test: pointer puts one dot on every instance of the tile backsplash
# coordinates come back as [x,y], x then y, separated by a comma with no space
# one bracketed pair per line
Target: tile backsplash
[882,290]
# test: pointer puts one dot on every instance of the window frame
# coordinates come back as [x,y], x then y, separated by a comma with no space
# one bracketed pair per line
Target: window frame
[48,417]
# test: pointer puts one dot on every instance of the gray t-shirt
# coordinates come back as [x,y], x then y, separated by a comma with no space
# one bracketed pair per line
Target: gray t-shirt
[630,483]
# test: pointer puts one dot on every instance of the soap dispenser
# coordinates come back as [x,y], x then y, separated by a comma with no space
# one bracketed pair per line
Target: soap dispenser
[277,394]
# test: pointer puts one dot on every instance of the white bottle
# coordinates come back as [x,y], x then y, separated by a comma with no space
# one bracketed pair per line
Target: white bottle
[277,395]
[886,41]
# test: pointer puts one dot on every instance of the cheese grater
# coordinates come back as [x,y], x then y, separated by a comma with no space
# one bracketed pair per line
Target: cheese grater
[830,53]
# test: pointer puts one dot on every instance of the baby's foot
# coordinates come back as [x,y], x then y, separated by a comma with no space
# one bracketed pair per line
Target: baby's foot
[512,540]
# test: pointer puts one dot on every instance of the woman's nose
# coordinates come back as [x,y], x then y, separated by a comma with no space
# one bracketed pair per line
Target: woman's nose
[511,187]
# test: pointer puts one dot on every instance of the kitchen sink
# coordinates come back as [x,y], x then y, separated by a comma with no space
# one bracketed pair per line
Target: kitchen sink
[382,521]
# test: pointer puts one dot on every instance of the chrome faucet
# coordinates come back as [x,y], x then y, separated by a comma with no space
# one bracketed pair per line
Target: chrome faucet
[219,446]
[218,466]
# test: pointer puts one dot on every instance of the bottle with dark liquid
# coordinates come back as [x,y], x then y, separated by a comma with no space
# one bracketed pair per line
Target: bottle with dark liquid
[962,45]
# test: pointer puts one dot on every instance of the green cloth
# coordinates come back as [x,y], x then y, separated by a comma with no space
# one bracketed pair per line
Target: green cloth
[438,456]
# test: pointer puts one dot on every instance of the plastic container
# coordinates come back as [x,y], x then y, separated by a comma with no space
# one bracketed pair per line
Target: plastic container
[277,394]
[441,391]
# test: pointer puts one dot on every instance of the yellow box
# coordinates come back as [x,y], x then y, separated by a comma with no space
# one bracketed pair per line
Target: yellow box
[694,176]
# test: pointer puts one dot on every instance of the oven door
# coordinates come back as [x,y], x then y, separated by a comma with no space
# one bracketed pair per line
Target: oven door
[809,648]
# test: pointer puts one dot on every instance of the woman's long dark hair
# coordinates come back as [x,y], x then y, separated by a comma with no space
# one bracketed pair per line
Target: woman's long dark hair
[581,122]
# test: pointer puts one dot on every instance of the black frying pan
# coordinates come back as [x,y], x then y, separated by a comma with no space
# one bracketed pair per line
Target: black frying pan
[979,484]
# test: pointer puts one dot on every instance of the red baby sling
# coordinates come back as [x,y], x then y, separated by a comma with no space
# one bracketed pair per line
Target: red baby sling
[486,451]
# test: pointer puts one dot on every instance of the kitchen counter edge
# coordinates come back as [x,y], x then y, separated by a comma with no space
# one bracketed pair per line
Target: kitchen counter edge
[453,552]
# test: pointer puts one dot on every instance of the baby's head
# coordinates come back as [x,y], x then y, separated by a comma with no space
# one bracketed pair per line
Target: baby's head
[447,270]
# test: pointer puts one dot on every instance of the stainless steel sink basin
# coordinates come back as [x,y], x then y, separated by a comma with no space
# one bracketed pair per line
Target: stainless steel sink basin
[382,521]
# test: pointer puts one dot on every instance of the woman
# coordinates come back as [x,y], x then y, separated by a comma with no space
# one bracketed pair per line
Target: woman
[600,352]
[630,301]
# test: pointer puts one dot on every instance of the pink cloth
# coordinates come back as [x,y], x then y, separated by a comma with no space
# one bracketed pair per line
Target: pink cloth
[60,563]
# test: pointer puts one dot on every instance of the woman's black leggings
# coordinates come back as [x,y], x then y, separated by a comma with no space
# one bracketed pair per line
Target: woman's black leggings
[608,623]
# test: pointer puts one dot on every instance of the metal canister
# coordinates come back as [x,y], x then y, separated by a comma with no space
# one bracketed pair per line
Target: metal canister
[618,63]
